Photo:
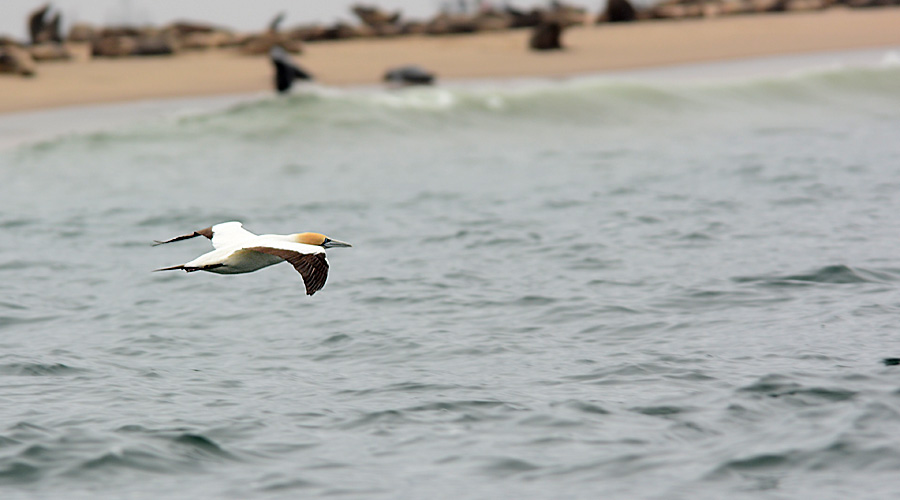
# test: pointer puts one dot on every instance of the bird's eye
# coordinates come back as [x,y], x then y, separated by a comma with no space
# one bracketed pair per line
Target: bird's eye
[327,240]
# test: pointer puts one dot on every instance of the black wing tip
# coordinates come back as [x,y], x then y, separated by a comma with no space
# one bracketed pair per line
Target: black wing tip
[313,267]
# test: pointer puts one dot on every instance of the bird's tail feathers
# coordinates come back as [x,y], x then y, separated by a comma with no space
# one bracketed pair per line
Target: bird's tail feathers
[175,268]
[189,269]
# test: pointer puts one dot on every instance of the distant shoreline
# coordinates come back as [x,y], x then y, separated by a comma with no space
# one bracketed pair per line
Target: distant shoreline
[502,55]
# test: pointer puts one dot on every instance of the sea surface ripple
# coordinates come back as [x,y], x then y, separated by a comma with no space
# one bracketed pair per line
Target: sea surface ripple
[577,290]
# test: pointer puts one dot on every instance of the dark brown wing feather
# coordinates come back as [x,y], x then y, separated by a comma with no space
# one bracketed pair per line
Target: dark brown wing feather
[312,266]
[208,232]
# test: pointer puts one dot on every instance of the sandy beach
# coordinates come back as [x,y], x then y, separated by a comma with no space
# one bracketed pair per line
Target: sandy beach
[589,49]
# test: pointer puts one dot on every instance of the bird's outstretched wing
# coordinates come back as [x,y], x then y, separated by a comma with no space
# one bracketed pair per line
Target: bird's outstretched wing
[313,267]
[201,232]
[222,235]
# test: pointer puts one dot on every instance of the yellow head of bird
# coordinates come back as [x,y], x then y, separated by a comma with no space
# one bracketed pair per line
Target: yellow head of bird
[319,240]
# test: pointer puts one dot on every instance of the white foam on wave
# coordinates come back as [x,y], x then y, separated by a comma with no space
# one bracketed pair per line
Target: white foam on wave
[430,98]
[891,59]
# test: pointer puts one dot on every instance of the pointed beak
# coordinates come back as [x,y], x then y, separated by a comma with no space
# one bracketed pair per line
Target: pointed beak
[335,243]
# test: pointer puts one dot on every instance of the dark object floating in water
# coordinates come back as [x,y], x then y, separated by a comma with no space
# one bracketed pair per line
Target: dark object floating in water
[409,75]
[286,71]
[891,361]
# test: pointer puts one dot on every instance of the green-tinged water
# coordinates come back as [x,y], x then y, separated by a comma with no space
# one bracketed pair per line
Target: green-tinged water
[588,289]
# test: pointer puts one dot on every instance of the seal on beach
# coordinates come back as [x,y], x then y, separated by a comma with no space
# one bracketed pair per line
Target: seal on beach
[43,25]
[546,36]
[409,75]
[286,71]
[16,60]
[239,251]
[618,11]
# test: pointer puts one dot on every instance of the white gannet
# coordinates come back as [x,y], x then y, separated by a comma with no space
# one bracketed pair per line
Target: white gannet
[240,251]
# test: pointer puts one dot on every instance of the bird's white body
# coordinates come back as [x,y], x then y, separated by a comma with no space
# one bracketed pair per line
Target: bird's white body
[239,251]
[237,258]
[233,261]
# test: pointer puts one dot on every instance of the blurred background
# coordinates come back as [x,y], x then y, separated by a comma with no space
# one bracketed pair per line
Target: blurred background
[243,16]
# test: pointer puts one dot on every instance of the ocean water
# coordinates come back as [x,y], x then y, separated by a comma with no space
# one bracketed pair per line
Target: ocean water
[591,288]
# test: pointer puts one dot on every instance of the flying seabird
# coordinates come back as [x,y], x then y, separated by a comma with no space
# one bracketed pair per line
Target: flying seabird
[286,70]
[240,251]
